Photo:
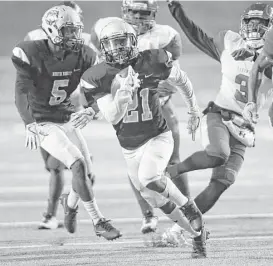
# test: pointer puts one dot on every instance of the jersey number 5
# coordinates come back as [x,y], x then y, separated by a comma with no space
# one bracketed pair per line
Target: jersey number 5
[132,115]
[58,94]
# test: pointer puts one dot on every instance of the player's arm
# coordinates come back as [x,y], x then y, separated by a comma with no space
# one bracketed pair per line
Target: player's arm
[194,33]
[261,63]
[174,46]
[23,84]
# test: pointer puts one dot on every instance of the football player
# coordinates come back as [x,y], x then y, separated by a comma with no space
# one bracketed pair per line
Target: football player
[131,104]
[225,133]
[52,165]
[48,72]
[141,15]
[264,62]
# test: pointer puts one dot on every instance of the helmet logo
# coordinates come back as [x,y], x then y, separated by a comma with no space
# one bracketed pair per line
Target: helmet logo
[52,17]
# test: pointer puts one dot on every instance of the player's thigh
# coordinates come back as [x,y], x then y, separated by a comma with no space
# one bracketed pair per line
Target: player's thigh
[75,135]
[155,158]
[132,159]
[51,163]
[215,136]
[55,141]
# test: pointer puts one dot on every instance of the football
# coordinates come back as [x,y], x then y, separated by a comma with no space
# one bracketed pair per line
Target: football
[116,83]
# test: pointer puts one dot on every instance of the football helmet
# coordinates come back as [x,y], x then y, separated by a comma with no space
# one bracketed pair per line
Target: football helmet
[140,14]
[75,6]
[63,26]
[118,42]
[255,22]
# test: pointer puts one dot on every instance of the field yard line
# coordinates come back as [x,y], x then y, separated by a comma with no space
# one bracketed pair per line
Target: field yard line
[245,238]
[120,186]
[137,220]
[39,203]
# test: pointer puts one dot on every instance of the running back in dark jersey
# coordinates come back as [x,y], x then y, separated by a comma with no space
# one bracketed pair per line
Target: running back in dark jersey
[143,119]
[48,80]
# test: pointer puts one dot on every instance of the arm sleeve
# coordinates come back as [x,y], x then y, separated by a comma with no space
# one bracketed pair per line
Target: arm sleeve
[194,33]
[23,84]
[175,47]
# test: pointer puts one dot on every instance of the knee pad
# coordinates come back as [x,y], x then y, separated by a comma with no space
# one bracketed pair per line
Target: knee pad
[224,176]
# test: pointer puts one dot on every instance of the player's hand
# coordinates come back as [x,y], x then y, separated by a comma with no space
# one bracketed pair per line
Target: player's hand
[32,138]
[194,121]
[82,118]
[242,54]
[129,83]
[270,114]
[250,113]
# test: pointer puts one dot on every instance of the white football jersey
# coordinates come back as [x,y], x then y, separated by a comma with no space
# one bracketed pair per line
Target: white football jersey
[157,37]
[235,74]
[39,34]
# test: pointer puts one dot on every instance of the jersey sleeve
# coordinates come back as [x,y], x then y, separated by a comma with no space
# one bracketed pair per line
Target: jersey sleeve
[193,32]
[175,45]
[23,84]
[231,39]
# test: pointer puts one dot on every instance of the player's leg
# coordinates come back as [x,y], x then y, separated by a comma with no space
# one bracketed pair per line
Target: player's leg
[222,177]
[214,132]
[169,114]
[152,165]
[149,221]
[57,143]
[56,183]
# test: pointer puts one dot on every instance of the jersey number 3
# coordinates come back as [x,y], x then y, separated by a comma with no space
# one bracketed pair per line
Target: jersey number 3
[132,115]
[58,93]
[242,94]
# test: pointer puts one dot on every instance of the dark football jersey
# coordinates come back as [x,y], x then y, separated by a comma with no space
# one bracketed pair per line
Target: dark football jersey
[49,81]
[268,44]
[143,119]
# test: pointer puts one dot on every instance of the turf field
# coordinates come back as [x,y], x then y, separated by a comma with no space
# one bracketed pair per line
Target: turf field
[240,224]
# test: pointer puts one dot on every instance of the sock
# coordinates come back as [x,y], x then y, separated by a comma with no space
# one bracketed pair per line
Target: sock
[172,192]
[209,196]
[182,183]
[93,210]
[146,208]
[73,199]
[177,216]
[197,161]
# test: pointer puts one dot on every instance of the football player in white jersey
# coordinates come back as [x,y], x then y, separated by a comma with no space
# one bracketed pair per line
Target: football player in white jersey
[142,16]
[52,165]
[225,134]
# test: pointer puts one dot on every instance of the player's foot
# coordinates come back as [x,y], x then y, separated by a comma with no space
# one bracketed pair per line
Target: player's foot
[193,214]
[171,238]
[149,224]
[48,222]
[199,245]
[105,229]
[70,215]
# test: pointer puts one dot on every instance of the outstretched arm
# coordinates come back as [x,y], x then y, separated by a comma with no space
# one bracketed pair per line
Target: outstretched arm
[210,46]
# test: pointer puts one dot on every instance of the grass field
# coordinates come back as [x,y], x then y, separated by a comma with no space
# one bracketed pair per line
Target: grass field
[240,223]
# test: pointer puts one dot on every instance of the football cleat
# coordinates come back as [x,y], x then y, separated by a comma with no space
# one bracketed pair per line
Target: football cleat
[199,245]
[48,222]
[149,224]
[105,229]
[70,215]
[172,238]
[193,214]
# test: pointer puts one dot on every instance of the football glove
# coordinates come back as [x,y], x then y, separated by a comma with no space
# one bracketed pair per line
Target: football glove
[82,118]
[250,113]
[242,54]
[129,83]
[193,121]
[32,138]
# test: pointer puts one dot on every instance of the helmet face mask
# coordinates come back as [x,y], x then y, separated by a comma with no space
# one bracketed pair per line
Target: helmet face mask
[63,26]
[255,22]
[118,43]
[140,14]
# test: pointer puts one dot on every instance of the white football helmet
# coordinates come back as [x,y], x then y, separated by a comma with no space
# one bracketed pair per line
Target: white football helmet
[140,13]
[63,26]
[118,42]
